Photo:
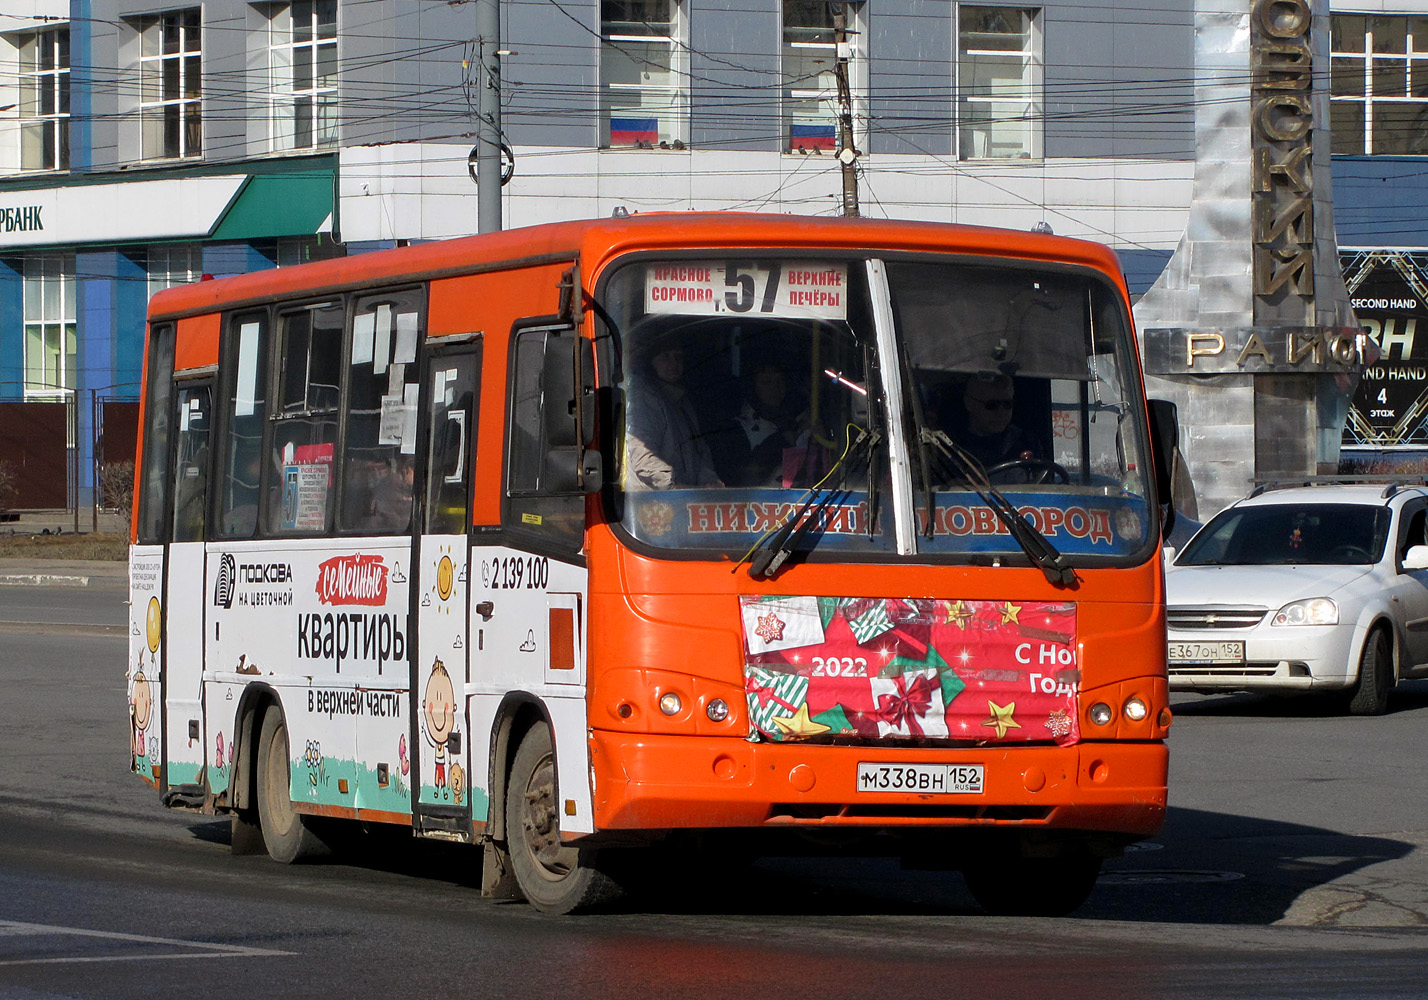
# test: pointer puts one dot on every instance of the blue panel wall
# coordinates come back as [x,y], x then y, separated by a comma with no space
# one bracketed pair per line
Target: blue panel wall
[368,246]
[552,82]
[1119,78]
[223,260]
[81,87]
[735,93]
[95,279]
[911,76]
[131,302]
[1142,267]
[1381,201]
[12,330]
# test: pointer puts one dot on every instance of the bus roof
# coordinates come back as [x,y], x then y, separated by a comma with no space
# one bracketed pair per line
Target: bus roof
[595,240]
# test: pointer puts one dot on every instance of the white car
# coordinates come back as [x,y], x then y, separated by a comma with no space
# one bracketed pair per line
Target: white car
[1304,588]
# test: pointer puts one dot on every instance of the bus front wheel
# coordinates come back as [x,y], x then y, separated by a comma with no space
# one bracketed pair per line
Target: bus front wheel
[286,834]
[554,877]
[1033,887]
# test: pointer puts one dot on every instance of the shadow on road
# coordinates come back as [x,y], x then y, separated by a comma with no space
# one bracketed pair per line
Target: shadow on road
[1204,868]
[1409,696]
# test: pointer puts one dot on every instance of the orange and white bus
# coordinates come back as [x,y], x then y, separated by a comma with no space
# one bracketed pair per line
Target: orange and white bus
[670,532]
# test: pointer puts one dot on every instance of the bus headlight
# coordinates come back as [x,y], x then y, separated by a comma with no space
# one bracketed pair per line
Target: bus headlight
[1101,713]
[1135,710]
[1315,611]
[717,710]
[670,704]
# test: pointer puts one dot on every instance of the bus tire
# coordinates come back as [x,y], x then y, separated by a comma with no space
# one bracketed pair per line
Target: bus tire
[1369,695]
[554,877]
[286,833]
[1033,887]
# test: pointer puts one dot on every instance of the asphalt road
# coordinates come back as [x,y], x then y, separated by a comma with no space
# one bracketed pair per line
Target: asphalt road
[1293,864]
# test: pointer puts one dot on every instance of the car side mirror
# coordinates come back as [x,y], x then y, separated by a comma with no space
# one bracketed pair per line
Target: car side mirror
[1168,554]
[1416,558]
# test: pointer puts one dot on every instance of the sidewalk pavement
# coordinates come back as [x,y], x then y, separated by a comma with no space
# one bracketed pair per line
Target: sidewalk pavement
[63,573]
[38,572]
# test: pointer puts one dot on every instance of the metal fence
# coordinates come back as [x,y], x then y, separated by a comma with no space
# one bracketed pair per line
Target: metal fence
[69,455]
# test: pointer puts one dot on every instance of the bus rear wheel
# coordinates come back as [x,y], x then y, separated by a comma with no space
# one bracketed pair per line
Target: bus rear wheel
[554,877]
[286,834]
[1033,887]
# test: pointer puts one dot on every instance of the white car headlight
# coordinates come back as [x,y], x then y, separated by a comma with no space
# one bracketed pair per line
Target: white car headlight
[1315,611]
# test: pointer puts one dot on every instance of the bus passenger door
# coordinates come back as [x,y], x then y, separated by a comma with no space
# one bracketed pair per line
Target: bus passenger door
[184,604]
[441,756]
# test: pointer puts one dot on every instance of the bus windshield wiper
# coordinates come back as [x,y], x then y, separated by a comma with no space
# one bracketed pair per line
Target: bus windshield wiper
[1038,548]
[774,548]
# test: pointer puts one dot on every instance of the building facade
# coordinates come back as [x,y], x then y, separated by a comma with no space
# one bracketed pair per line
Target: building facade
[144,143]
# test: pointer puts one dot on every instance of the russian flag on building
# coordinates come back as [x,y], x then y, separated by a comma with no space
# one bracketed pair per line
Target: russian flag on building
[633,131]
[814,137]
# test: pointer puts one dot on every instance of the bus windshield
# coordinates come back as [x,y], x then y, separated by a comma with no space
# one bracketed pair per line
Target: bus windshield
[751,385]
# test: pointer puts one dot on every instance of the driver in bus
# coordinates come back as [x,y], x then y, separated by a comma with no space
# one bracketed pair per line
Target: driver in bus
[664,445]
[986,428]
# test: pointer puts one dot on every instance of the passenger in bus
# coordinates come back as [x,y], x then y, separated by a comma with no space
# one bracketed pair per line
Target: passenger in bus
[665,448]
[390,499]
[771,442]
[241,515]
[192,497]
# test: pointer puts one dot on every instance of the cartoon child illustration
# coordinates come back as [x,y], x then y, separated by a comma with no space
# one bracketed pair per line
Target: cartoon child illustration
[440,720]
[141,706]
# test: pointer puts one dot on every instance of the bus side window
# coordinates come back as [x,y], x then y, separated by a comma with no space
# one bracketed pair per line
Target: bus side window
[158,418]
[191,483]
[304,442]
[245,415]
[542,495]
[379,451]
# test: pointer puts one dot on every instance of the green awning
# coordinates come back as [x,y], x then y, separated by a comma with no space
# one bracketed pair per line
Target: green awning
[296,204]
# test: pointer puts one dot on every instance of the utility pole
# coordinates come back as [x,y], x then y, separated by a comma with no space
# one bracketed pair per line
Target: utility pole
[847,153]
[488,116]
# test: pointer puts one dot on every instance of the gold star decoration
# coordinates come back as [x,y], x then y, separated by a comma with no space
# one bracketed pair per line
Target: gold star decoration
[1001,718]
[958,614]
[799,726]
[1009,613]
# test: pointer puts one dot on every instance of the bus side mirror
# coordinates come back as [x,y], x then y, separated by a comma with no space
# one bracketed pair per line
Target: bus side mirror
[585,379]
[592,465]
[1164,443]
[570,465]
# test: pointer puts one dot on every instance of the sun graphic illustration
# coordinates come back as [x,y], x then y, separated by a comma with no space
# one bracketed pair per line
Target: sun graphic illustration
[154,624]
[445,578]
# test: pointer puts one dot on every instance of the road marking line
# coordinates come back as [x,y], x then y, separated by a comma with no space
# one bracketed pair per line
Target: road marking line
[15,928]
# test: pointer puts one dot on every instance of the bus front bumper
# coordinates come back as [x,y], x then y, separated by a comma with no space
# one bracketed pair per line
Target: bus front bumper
[658,782]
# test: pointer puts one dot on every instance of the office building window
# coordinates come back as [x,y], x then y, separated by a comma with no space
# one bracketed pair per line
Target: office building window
[171,265]
[50,365]
[644,73]
[302,75]
[1379,90]
[44,99]
[171,94]
[816,35]
[998,82]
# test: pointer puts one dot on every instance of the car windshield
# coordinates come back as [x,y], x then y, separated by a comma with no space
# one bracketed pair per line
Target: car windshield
[1338,534]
